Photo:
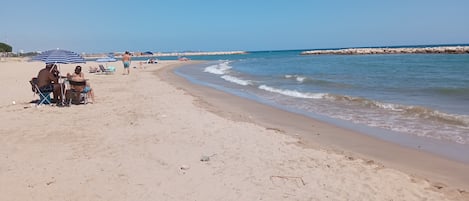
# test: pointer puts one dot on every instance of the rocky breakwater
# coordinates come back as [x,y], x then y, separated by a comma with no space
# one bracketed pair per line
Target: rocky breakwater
[406,50]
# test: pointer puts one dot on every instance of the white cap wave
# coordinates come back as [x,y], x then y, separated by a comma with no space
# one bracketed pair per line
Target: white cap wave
[293,93]
[296,77]
[236,80]
[218,69]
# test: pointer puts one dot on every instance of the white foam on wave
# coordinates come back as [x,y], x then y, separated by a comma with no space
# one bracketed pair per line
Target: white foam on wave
[218,69]
[293,93]
[296,77]
[412,111]
[389,106]
[236,80]
[427,113]
[366,102]
[300,79]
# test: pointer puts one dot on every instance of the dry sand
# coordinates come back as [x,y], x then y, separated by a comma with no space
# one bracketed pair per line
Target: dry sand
[158,138]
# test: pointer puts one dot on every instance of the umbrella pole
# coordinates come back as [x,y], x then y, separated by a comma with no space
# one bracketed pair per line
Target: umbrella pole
[62,93]
[62,85]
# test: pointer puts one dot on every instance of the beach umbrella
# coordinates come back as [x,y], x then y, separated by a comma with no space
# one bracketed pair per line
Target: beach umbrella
[148,53]
[58,56]
[106,59]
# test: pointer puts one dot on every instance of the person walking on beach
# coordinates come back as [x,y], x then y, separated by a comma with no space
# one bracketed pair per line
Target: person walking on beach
[126,61]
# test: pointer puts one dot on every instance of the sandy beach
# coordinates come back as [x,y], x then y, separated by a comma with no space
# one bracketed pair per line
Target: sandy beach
[153,136]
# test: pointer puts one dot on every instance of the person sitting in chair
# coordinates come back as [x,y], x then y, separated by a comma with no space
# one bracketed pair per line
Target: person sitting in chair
[48,81]
[93,69]
[78,76]
[152,61]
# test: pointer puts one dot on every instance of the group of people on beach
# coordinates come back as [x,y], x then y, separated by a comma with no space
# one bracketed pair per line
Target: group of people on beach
[48,81]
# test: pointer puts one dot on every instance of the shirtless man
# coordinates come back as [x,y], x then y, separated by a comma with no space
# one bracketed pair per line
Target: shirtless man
[126,61]
[48,81]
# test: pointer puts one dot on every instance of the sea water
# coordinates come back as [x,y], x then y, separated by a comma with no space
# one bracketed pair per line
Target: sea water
[411,99]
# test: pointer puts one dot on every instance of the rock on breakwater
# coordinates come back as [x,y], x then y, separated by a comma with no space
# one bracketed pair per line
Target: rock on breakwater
[413,50]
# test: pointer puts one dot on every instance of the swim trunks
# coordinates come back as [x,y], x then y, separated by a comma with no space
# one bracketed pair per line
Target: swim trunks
[47,88]
[126,64]
[86,89]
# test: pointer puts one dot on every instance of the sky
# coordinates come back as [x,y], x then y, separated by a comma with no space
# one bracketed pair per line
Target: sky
[95,26]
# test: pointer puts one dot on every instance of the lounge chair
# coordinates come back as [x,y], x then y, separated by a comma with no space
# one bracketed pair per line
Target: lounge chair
[106,70]
[151,61]
[44,96]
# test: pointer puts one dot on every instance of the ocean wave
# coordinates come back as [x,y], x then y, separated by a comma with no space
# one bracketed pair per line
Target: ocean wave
[361,101]
[292,93]
[415,111]
[298,78]
[435,115]
[451,91]
[317,82]
[236,80]
[218,69]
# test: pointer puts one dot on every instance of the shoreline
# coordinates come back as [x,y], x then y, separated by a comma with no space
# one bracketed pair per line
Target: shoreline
[313,133]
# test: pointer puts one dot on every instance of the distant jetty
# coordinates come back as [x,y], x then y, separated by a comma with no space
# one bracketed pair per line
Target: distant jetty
[403,50]
[163,54]
[197,53]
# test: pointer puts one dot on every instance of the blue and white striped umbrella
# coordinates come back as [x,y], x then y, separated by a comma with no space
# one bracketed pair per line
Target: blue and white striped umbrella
[106,59]
[59,57]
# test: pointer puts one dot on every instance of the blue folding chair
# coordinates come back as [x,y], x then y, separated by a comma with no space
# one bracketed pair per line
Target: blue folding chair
[44,96]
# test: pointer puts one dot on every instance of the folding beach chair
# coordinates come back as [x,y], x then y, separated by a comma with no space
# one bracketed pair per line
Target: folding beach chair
[44,96]
[77,97]
[106,70]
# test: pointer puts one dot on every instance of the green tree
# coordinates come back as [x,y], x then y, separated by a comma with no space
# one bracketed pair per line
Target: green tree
[5,47]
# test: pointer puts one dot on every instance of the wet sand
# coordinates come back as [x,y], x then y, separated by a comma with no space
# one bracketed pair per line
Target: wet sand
[313,133]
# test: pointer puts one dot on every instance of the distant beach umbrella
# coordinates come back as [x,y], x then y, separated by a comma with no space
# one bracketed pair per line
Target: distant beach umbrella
[106,59]
[148,52]
[59,57]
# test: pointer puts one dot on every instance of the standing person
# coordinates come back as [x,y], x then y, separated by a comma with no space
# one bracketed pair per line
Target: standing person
[126,61]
